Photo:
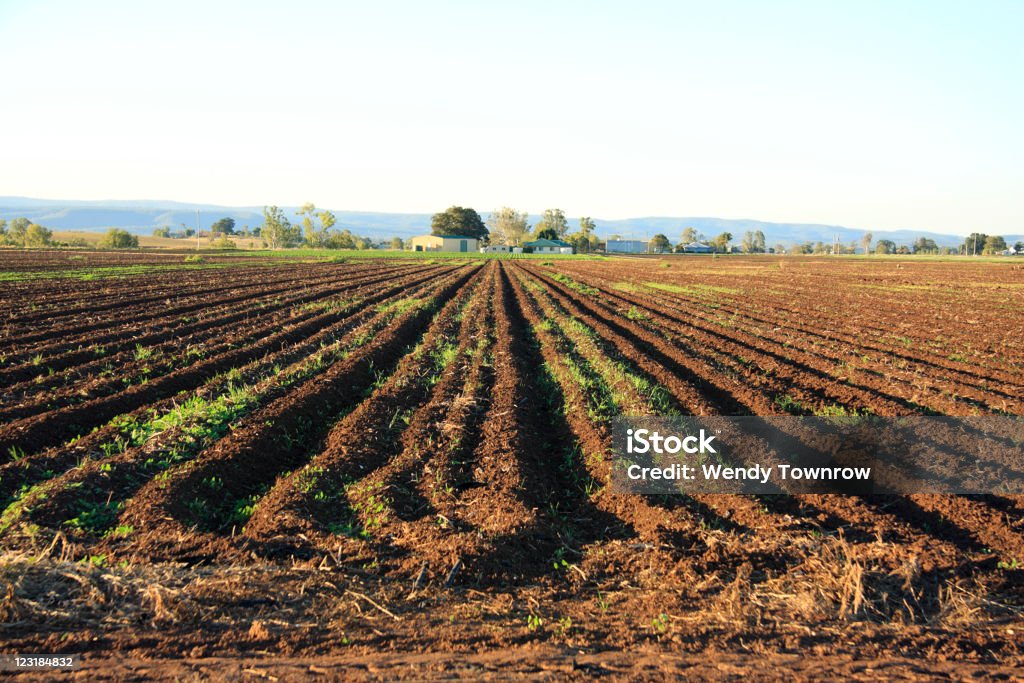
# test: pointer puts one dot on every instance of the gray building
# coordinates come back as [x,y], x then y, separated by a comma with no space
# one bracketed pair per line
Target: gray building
[626,247]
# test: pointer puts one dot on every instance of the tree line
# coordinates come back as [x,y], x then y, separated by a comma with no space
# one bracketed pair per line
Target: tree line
[315,229]
[508,227]
[753,242]
[505,226]
[21,232]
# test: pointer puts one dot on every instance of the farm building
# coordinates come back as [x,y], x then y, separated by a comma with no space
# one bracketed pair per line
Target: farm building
[697,248]
[626,247]
[458,243]
[500,249]
[549,247]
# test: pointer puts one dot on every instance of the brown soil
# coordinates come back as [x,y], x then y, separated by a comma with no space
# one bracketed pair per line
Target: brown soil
[432,502]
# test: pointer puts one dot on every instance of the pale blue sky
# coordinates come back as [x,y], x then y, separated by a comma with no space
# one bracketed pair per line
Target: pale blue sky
[868,114]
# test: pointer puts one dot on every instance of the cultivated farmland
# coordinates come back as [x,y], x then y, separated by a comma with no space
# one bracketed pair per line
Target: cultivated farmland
[363,459]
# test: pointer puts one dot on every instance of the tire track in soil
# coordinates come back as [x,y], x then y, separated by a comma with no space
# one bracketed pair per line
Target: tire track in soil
[617,335]
[923,526]
[151,286]
[245,328]
[143,291]
[892,316]
[118,339]
[445,472]
[529,500]
[647,543]
[97,481]
[178,294]
[498,470]
[336,489]
[432,456]
[635,517]
[798,369]
[62,350]
[666,303]
[287,429]
[32,434]
[33,468]
[938,368]
[127,310]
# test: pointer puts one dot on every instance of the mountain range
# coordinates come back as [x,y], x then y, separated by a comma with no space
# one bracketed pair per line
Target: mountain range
[143,216]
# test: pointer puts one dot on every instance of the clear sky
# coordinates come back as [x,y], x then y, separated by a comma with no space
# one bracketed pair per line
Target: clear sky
[873,114]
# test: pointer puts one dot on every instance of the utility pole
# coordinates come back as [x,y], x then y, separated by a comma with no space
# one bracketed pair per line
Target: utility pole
[197,229]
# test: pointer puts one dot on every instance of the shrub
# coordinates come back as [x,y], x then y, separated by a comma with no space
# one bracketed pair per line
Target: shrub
[38,236]
[224,243]
[119,239]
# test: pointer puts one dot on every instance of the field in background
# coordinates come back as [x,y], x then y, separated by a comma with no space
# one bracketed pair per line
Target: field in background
[361,456]
[92,238]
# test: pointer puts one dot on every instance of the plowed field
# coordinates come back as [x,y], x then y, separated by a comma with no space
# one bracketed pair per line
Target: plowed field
[406,462]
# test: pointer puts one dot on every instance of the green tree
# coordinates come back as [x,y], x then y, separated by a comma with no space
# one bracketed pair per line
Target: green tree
[753,242]
[37,236]
[994,244]
[584,240]
[458,220]
[923,245]
[316,225]
[115,238]
[3,231]
[276,231]
[16,231]
[689,235]
[508,226]
[721,243]
[553,219]
[865,242]
[341,240]
[546,234]
[1019,247]
[397,244]
[308,213]
[885,247]
[975,243]
[225,226]
[660,244]
[164,231]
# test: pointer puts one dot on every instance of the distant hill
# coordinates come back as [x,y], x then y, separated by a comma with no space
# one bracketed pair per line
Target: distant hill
[142,216]
[785,233]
